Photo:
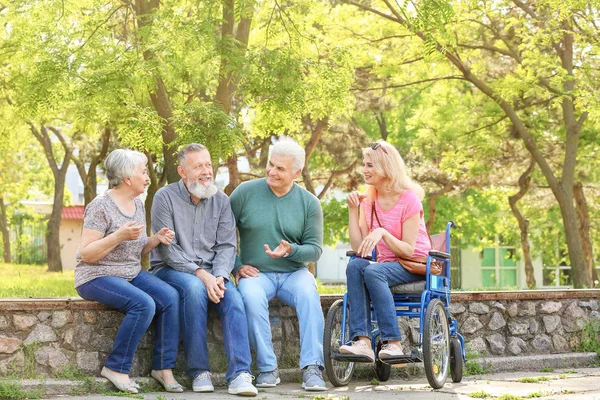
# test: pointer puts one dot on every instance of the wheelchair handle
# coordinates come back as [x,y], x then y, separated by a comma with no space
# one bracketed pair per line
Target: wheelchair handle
[352,253]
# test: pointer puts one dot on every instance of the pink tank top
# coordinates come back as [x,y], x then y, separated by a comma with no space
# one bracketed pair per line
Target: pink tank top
[391,220]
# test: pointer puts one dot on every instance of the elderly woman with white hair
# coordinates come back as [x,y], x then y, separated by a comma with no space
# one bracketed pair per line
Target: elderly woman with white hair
[109,271]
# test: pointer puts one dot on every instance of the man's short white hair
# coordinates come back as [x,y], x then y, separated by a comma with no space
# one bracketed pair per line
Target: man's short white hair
[289,148]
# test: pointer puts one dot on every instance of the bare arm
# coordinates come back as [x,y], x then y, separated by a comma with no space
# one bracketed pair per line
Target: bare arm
[95,246]
[404,247]
[164,236]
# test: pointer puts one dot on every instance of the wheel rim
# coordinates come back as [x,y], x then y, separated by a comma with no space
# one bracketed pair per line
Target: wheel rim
[342,370]
[440,349]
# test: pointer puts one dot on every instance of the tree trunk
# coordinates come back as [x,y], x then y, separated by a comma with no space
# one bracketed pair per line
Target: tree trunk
[524,181]
[59,174]
[228,82]
[89,177]
[5,232]
[584,230]
[160,96]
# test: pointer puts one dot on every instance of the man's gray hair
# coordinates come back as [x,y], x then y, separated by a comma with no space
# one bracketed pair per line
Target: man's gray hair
[289,148]
[121,164]
[190,148]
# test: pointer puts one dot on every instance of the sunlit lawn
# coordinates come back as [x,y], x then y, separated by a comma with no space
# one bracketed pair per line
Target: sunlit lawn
[32,281]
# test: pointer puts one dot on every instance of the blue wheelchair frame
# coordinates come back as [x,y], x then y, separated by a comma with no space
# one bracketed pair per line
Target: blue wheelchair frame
[411,300]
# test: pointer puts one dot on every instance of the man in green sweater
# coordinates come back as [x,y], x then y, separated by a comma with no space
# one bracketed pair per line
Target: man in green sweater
[281,229]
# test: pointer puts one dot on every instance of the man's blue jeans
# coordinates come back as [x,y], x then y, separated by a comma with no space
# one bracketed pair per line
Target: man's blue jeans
[193,310]
[297,289]
[370,282]
[139,299]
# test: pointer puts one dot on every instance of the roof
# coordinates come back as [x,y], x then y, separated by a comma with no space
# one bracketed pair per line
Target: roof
[73,212]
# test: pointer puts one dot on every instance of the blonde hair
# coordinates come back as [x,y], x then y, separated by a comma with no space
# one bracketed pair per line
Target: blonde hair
[388,163]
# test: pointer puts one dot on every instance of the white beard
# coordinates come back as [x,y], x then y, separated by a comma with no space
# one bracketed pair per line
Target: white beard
[200,191]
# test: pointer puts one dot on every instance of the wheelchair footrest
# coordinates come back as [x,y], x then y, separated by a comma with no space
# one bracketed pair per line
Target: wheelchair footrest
[414,357]
[352,358]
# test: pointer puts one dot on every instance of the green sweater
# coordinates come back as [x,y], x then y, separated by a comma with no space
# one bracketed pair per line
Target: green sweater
[263,218]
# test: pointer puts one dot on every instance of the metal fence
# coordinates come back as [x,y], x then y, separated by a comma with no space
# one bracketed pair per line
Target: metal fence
[28,239]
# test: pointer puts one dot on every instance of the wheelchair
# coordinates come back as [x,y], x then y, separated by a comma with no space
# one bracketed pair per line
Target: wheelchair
[440,347]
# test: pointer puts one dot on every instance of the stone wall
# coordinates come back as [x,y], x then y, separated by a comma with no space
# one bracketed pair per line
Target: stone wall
[53,337]
[525,322]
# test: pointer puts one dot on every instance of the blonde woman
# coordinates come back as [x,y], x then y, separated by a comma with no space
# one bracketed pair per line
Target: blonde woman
[390,220]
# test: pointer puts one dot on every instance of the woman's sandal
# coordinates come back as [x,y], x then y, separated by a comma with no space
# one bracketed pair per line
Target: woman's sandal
[169,387]
[130,387]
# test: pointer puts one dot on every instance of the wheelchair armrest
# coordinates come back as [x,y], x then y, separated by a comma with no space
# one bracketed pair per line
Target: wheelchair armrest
[439,254]
[352,253]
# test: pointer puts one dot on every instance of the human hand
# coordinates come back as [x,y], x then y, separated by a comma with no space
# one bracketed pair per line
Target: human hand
[215,287]
[165,236]
[370,241]
[354,198]
[246,271]
[129,231]
[279,251]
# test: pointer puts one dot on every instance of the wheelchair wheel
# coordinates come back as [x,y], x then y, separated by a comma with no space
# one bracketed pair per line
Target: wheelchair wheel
[456,360]
[382,370]
[436,344]
[338,372]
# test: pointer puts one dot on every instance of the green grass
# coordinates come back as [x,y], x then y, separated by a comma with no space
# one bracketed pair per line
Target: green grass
[330,289]
[480,395]
[534,380]
[33,281]
[11,390]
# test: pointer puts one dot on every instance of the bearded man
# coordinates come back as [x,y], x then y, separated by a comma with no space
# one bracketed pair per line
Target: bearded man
[198,263]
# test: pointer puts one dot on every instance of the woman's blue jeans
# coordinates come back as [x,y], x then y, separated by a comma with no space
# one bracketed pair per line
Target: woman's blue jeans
[370,282]
[139,299]
[193,308]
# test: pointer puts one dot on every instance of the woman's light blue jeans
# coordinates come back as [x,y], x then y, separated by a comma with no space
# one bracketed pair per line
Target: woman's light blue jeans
[194,305]
[139,299]
[370,282]
[296,289]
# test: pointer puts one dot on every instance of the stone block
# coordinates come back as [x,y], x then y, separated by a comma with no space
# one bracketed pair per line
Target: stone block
[90,317]
[516,346]
[41,333]
[551,322]
[287,312]
[592,304]
[217,329]
[497,343]
[574,311]
[69,339]
[4,323]
[88,361]
[12,364]
[526,309]
[52,357]
[8,344]
[23,322]
[83,333]
[499,306]
[44,315]
[59,319]
[542,344]
[276,329]
[471,325]
[496,322]
[534,326]
[517,328]
[479,308]
[457,308]
[512,309]
[571,324]
[550,307]
[560,343]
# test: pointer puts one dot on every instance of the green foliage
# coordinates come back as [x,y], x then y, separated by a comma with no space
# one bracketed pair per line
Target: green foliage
[480,395]
[472,367]
[335,222]
[204,122]
[10,390]
[534,380]
[589,337]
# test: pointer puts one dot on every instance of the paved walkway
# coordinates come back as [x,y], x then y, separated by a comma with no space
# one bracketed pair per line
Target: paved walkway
[563,384]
